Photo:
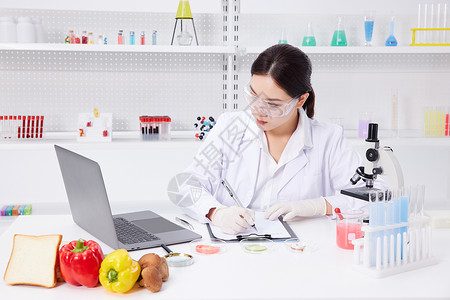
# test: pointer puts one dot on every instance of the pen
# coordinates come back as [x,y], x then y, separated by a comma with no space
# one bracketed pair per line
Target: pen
[227,186]
[184,222]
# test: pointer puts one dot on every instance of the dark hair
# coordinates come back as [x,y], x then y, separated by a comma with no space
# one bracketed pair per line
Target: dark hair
[290,68]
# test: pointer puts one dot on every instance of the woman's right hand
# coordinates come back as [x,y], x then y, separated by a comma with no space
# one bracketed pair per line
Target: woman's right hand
[233,219]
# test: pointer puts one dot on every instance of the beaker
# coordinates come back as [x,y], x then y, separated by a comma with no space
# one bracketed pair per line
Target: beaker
[339,38]
[309,39]
[363,125]
[368,28]
[348,228]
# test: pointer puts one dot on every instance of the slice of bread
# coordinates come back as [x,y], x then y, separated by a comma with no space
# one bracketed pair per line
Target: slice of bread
[33,260]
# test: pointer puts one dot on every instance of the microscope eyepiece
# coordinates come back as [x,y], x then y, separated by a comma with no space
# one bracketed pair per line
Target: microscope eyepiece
[372,135]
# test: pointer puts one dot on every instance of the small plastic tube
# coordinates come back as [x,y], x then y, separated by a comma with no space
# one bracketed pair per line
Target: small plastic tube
[366,257]
[418,243]
[429,236]
[412,245]
[357,254]
[404,248]
[385,251]
[378,254]
[424,243]
[392,252]
[399,249]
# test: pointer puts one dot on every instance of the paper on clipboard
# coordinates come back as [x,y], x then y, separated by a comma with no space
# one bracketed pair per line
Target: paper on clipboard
[274,228]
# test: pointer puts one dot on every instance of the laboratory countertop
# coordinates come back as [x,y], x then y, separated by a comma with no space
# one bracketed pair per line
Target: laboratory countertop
[324,273]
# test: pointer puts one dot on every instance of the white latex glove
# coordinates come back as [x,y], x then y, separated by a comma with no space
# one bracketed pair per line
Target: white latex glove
[233,219]
[301,208]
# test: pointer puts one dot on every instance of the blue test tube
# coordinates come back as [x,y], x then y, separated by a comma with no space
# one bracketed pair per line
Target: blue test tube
[397,216]
[404,206]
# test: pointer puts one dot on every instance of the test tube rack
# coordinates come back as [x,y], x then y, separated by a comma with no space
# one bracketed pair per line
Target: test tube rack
[18,127]
[430,30]
[408,251]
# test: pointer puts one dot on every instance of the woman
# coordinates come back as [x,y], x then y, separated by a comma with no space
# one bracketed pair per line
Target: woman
[275,156]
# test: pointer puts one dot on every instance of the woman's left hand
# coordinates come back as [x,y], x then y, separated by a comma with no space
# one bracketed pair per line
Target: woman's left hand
[300,208]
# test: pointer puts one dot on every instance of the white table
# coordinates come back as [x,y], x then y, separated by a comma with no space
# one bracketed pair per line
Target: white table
[324,274]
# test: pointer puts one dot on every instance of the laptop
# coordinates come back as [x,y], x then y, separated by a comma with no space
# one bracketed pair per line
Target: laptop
[91,211]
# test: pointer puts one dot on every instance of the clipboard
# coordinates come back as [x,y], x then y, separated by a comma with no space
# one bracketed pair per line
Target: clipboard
[290,234]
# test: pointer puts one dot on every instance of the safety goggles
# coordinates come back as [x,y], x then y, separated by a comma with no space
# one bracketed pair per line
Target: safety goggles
[269,108]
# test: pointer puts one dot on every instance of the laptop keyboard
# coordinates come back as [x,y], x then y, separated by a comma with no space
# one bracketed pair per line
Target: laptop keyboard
[128,233]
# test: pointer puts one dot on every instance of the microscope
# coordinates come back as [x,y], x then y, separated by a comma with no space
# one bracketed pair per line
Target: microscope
[379,162]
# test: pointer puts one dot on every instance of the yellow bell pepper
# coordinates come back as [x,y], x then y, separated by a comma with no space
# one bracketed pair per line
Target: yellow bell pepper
[118,272]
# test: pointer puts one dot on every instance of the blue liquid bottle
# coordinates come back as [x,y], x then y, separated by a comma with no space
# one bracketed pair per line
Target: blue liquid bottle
[132,42]
[339,38]
[309,39]
[391,40]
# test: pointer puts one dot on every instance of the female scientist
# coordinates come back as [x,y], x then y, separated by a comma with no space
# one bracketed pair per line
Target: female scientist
[275,156]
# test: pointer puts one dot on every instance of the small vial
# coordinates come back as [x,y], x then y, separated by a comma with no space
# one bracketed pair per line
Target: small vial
[90,38]
[120,37]
[100,40]
[71,37]
[77,39]
[131,37]
[105,40]
[143,38]
[84,38]
[154,37]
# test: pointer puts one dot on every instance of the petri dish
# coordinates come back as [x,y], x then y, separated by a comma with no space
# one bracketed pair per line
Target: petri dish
[300,246]
[257,245]
[179,259]
[208,247]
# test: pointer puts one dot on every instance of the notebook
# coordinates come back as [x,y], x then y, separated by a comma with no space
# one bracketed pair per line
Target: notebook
[91,211]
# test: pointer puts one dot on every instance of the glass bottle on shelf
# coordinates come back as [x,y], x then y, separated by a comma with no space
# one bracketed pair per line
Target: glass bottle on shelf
[283,38]
[309,39]
[84,38]
[90,38]
[339,38]
[184,38]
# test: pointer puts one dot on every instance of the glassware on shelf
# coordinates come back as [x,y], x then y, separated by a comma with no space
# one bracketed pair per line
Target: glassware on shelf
[391,40]
[309,39]
[283,38]
[339,38]
[184,38]
[368,28]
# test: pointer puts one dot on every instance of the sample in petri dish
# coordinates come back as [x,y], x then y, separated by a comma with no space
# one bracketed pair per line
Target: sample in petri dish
[296,245]
[257,245]
[208,247]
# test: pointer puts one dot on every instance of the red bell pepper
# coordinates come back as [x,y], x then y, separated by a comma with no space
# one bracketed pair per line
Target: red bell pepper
[80,262]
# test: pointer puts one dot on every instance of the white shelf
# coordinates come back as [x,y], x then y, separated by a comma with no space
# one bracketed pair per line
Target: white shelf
[363,50]
[118,48]
[219,49]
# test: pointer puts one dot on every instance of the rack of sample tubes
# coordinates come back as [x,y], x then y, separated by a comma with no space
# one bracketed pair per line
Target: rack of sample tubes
[437,121]
[432,27]
[398,237]
[13,127]
[154,128]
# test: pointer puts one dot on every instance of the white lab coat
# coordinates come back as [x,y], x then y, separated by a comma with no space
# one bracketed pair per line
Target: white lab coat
[232,151]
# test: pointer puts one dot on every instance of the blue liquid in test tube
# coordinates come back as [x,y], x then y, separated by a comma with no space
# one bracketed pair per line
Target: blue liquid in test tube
[397,217]
[404,202]
[390,220]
